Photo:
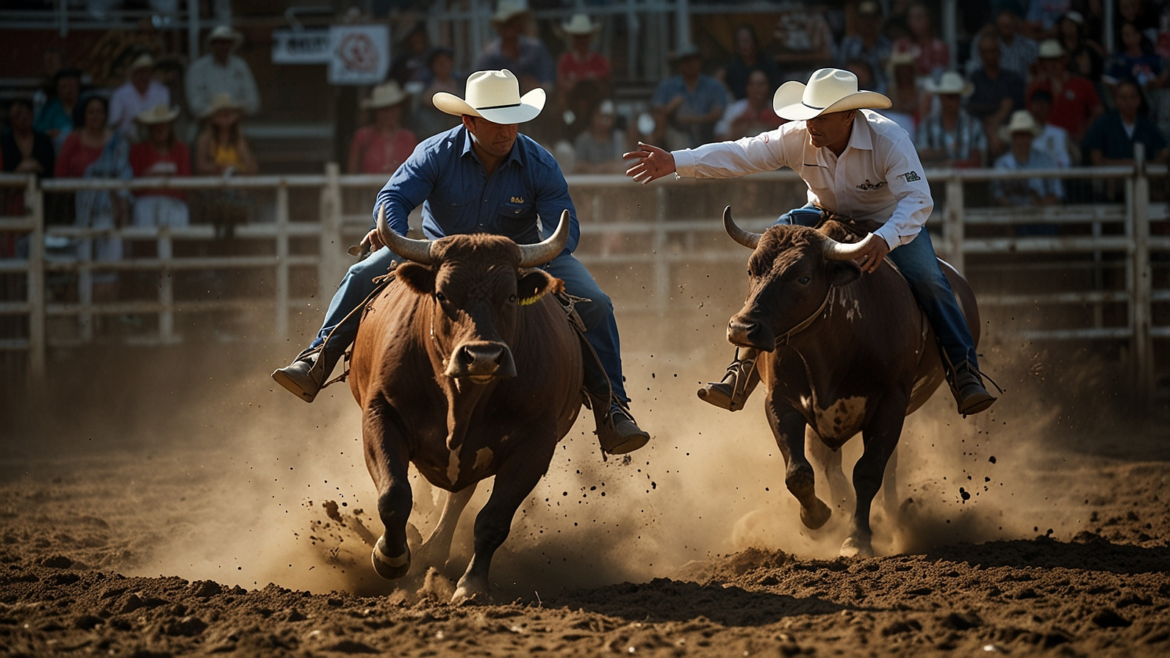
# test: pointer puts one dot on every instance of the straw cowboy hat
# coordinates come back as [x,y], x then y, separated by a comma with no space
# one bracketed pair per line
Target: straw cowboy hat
[579,25]
[828,90]
[385,95]
[1050,49]
[1021,121]
[509,9]
[221,101]
[950,83]
[158,114]
[495,96]
[225,33]
[144,61]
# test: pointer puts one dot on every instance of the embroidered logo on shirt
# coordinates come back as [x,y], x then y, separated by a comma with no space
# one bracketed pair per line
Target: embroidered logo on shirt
[517,199]
[910,176]
[871,186]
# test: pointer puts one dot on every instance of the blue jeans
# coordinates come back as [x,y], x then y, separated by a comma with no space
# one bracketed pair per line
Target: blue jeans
[919,264]
[600,325]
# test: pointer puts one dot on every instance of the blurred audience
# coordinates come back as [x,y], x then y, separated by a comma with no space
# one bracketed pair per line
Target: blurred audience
[599,149]
[382,147]
[221,72]
[411,64]
[1111,139]
[1043,16]
[949,137]
[931,55]
[1052,140]
[56,118]
[1138,12]
[221,149]
[997,92]
[138,94]
[580,63]
[160,154]
[904,93]
[803,40]
[1020,132]
[868,44]
[746,60]
[689,104]
[1016,51]
[23,149]
[1075,102]
[426,118]
[1135,59]
[1086,55]
[752,115]
[514,50]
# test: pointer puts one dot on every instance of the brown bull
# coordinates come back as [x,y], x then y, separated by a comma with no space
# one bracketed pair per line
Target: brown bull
[465,368]
[843,353]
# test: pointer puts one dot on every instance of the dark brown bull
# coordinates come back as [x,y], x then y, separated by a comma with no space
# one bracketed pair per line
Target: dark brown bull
[465,368]
[843,353]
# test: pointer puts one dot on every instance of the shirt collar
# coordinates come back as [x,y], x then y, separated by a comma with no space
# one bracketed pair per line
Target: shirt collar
[862,137]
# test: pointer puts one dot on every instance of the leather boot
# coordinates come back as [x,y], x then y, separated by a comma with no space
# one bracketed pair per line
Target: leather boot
[617,432]
[967,387]
[737,385]
[306,376]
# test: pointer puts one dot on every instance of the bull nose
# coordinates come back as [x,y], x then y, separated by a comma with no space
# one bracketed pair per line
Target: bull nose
[484,355]
[749,333]
[481,359]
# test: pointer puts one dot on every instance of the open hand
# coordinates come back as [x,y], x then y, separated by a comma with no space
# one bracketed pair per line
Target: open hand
[651,163]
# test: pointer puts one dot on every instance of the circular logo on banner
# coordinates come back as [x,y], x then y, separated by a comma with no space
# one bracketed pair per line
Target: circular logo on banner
[358,52]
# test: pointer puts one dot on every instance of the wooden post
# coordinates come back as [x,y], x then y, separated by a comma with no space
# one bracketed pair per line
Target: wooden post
[952,229]
[34,202]
[166,286]
[281,327]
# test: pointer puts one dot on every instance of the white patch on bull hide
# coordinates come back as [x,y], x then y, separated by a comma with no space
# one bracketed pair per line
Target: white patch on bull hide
[842,419]
[453,467]
[483,457]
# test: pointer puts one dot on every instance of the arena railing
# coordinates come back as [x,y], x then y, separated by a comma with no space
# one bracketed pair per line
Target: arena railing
[335,229]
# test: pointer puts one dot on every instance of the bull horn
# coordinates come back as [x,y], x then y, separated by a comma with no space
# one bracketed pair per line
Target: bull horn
[418,251]
[746,238]
[532,255]
[834,250]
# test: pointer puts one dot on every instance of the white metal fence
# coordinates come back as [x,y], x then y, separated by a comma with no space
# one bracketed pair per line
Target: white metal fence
[669,240]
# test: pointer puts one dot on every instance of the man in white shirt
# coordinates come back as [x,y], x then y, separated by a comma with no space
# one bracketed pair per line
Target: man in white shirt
[140,93]
[858,164]
[221,72]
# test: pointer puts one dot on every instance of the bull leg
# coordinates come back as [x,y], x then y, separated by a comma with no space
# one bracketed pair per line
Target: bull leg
[890,488]
[788,426]
[387,458]
[840,490]
[514,482]
[881,437]
[436,550]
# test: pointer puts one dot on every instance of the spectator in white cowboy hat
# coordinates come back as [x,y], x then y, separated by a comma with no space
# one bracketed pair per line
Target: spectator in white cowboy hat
[221,72]
[221,148]
[382,147]
[854,161]
[1075,103]
[138,94]
[1052,140]
[690,103]
[580,62]
[1021,132]
[160,153]
[950,137]
[481,177]
[515,51]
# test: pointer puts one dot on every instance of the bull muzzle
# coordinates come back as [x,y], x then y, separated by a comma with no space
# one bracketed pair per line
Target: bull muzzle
[481,362]
[746,332]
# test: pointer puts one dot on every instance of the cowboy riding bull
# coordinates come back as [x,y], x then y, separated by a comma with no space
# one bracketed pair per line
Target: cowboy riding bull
[869,361]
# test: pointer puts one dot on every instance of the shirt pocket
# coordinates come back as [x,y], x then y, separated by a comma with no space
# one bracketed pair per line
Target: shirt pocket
[513,211]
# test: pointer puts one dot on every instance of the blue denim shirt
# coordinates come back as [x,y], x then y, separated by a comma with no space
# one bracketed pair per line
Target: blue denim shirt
[447,178]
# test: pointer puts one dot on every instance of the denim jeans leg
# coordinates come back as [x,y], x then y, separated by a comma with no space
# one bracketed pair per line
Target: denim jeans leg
[807,215]
[600,325]
[919,265]
[357,284]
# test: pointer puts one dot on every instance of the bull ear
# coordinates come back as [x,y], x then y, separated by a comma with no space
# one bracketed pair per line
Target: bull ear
[417,277]
[531,285]
[842,272]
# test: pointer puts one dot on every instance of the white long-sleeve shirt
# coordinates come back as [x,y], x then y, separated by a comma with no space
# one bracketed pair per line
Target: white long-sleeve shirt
[878,176]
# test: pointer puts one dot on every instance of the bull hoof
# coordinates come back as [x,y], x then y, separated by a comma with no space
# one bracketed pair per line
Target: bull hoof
[470,591]
[801,481]
[390,568]
[854,547]
[816,516]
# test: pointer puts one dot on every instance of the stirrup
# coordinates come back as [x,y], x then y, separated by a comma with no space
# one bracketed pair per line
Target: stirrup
[732,392]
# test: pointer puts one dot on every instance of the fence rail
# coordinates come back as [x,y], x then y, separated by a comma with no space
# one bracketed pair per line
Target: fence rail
[1132,247]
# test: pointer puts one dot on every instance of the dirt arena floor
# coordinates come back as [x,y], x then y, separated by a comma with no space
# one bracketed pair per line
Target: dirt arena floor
[173,502]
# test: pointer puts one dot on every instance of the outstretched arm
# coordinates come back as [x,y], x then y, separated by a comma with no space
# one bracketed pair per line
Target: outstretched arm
[750,155]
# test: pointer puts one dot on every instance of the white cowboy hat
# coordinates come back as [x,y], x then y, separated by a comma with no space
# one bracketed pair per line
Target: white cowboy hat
[828,90]
[385,95]
[579,25]
[158,114]
[1050,49]
[144,61]
[495,96]
[221,101]
[225,33]
[950,83]
[1021,121]
[509,9]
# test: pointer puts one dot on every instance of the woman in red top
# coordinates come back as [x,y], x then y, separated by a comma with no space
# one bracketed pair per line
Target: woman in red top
[384,146]
[931,54]
[160,154]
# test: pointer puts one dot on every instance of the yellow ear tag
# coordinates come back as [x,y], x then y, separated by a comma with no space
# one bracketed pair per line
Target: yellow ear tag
[529,301]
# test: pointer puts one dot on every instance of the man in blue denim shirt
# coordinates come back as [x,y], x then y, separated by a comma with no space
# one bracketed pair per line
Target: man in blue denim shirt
[480,177]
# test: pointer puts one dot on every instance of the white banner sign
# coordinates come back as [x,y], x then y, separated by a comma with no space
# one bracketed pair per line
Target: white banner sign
[359,54]
[300,46]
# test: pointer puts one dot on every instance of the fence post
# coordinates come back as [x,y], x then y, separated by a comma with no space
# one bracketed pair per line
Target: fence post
[166,286]
[282,262]
[34,202]
[330,266]
[661,264]
[952,228]
[1143,347]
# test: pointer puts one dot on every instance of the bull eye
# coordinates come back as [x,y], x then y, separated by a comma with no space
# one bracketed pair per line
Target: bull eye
[803,280]
[440,297]
[511,299]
